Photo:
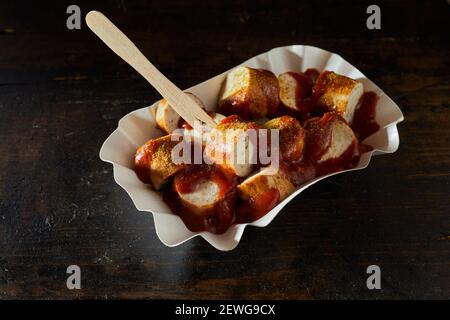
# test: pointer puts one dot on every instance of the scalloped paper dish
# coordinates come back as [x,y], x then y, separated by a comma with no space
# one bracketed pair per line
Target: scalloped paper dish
[139,126]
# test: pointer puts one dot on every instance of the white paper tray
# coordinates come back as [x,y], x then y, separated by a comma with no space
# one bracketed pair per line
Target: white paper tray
[139,126]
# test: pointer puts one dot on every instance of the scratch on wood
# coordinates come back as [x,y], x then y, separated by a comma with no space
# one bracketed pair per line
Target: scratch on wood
[68,78]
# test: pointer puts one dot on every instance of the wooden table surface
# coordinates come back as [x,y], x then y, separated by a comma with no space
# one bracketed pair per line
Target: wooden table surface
[62,93]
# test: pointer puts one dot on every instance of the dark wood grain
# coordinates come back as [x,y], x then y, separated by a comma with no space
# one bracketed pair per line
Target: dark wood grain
[62,93]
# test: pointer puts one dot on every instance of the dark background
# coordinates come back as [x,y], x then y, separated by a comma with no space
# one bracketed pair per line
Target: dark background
[62,93]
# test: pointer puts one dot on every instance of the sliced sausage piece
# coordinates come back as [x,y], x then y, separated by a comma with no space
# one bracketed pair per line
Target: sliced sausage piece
[167,118]
[295,91]
[260,193]
[342,138]
[233,146]
[260,183]
[249,93]
[338,93]
[291,137]
[153,162]
[328,137]
[202,188]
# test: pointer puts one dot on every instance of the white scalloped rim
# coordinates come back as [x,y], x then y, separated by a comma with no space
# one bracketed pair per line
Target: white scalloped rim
[139,126]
